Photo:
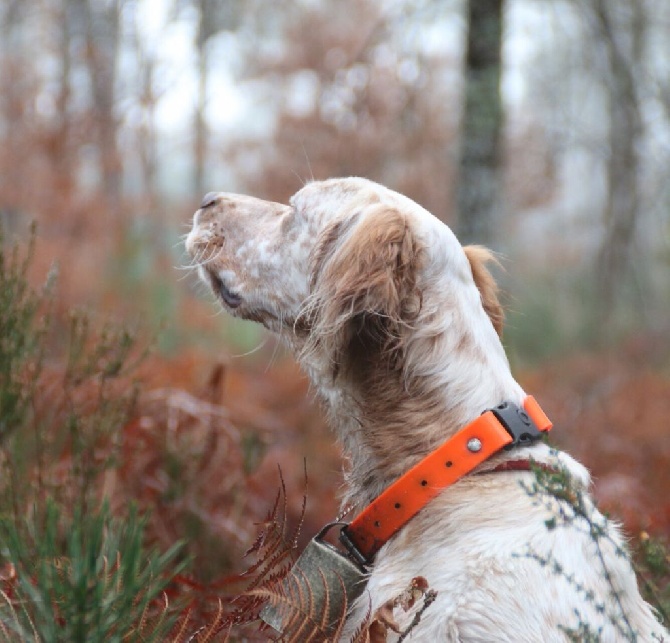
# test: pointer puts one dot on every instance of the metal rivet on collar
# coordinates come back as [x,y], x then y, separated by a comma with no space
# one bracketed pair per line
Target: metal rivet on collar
[474,445]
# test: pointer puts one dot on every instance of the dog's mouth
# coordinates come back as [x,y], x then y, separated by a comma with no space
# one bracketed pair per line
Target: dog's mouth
[230,298]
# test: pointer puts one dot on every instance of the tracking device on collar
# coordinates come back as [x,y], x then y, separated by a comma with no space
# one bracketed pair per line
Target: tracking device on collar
[332,580]
[323,579]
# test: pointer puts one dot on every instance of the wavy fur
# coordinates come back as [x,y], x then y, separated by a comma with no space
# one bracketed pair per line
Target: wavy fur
[398,326]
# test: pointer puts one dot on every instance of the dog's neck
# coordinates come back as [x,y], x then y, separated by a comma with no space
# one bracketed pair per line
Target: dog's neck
[387,418]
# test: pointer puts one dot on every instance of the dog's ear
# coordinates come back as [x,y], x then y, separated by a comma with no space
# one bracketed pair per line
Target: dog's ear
[364,291]
[478,256]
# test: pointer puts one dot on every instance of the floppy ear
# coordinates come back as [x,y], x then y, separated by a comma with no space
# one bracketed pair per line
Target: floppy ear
[364,284]
[478,256]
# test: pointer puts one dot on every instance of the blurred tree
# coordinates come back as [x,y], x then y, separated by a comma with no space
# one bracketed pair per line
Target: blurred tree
[11,104]
[213,17]
[99,23]
[145,141]
[619,30]
[357,91]
[91,92]
[58,138]
[478,192]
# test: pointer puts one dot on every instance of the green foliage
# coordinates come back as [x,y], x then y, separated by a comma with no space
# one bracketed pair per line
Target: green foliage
[139,270]
[555,313]
[575,507]
[47,412]
[533,332]
[653,566]
[69,570]
[21,334]
[84,578]
[559,312]
[583,633]
[98,401]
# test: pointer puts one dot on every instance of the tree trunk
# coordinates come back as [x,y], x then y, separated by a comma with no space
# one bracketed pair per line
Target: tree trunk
[200,130]
[61,137]
[622,206]
[101,24]
[146,145]
[478,195]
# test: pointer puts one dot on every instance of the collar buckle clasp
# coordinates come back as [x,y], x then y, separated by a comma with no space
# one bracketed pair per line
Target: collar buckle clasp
[518,423]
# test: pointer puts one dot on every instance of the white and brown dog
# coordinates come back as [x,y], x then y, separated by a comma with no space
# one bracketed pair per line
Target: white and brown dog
[397,325]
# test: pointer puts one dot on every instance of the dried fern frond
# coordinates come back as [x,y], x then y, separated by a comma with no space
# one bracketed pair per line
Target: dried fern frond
[272,543]
[181,627]
[275,551]
[207,633]
[304,610]
[12,611]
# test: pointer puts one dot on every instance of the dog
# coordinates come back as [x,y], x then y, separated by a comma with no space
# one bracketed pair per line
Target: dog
[398,327]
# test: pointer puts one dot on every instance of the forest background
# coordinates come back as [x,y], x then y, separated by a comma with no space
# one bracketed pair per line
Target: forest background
[540,128]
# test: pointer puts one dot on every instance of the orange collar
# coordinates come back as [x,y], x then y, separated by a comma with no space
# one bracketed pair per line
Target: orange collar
[504,426]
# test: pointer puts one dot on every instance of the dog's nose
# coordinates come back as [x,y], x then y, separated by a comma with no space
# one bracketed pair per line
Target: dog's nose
[207,212]
[210,199]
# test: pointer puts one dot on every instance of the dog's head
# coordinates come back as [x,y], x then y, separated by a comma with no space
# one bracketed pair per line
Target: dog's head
[344,271]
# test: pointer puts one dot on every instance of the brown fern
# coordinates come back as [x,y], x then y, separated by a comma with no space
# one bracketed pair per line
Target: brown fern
[275,581]
[275,551]
[303,617]
[181,627]
[206,633]
[306,611]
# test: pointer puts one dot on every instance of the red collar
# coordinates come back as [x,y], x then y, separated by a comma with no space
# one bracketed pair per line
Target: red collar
[504,426]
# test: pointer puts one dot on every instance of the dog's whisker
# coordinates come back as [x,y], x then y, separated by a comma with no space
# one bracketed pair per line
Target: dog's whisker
[251,351]
[203,257]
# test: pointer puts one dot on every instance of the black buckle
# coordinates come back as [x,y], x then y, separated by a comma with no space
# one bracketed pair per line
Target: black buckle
[517,423]
[352,550]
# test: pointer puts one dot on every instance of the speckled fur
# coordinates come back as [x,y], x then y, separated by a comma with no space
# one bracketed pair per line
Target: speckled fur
[396,324]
